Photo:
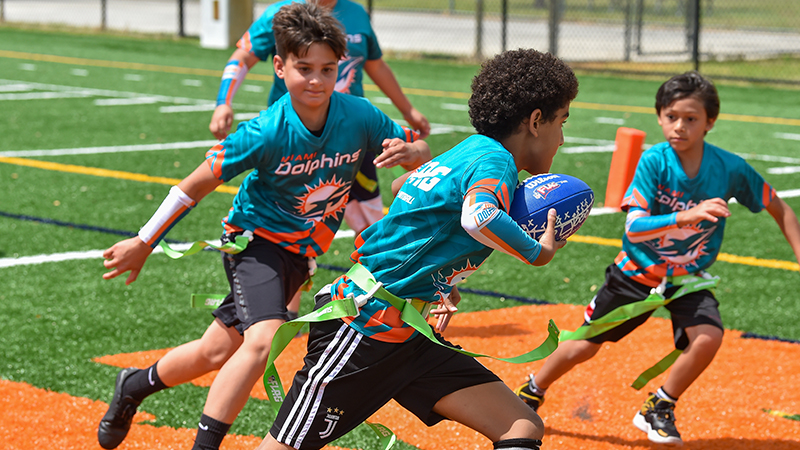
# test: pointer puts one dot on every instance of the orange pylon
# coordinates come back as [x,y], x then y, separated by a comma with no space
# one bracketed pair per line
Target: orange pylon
[628,143]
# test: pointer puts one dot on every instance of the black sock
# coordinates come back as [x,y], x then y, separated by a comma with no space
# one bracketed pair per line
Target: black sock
[518,444]
[144,383]
[210,433]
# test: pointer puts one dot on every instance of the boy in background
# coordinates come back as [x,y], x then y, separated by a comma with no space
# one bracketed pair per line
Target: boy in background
[304,153]
[677,205]
[448,217]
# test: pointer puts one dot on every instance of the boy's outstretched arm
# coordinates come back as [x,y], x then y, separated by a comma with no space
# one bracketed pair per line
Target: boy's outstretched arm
[131,254]
[409,155]
[786,219]
[482,218]
[240,62]
[383,77]
[640,226]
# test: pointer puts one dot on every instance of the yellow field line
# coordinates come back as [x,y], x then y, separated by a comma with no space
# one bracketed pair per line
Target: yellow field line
[369,87]
[120,175]
[105,173]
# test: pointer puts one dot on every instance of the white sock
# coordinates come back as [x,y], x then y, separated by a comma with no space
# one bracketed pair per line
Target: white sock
[664,396]
[534,388]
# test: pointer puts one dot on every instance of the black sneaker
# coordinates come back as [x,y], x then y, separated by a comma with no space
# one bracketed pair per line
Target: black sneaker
[657,419]
[524,392]
[115,424]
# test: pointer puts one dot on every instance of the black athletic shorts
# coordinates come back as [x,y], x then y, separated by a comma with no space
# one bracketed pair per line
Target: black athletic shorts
[348,376]
[368,170]
[263,279]
[697,308]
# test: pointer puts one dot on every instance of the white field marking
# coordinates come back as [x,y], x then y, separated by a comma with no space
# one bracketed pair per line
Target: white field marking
[195,83]
[79,72]
[187,108]
[382,100]
[770,158]
[253,88]
[783,170]
[89,92]
[45,95]
[602,210]
[132,77]
[782,194]
[589,149]
[789,136]
[126,101]
[610,120]
[98,254]
[442,128]
[245,116]
[27,67]
[19,87]
[455,106]
[110,149]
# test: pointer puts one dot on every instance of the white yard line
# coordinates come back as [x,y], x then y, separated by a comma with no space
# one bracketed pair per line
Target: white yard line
[98,254]
[111,149]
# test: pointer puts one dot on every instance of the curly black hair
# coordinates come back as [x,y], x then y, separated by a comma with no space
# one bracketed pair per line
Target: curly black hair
[685,85]
[513,84]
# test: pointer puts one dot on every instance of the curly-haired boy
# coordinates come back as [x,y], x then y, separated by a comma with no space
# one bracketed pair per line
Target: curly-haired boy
[448,217]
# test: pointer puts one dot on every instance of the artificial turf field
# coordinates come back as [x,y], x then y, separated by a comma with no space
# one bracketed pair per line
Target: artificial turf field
[95,130]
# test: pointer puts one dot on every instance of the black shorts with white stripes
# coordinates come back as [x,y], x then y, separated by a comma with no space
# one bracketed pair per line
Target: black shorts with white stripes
[348,376]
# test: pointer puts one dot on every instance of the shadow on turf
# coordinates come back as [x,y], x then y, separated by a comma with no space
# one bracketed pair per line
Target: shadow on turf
[694,444]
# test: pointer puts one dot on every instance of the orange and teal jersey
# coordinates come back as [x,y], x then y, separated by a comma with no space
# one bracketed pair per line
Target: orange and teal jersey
[654,246]
[297,191]
[420,250]
[362,45]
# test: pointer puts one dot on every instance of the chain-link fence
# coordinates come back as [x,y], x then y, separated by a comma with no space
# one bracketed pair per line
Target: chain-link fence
[738,39]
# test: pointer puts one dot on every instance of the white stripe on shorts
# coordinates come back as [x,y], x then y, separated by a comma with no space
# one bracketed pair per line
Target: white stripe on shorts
[335,356]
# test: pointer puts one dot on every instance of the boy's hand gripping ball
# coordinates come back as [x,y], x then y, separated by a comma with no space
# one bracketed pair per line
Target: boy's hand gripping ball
[570,197]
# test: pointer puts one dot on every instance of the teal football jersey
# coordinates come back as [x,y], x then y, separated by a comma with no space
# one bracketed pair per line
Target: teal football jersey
[296,194]
[661,187]
[419,249]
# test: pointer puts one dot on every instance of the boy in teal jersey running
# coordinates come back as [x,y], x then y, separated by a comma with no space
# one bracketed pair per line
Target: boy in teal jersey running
[448,216]
[304,152]
[677,205]
[365,205]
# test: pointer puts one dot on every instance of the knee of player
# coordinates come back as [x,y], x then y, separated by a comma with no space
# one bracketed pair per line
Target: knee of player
[710,339]
[216,356]
[530,426]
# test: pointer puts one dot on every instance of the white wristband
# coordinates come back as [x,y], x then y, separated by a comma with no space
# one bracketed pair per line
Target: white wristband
[172,209]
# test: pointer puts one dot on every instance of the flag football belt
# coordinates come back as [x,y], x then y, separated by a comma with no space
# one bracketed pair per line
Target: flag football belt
[232,248]
[412,312]
[688,284]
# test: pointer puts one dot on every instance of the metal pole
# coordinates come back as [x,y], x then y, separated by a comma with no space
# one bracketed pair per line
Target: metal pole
[504,19]
[627,31]
[555,8]
[479,30]
[2,11]
[639,25]
[103,14]
[696,35]
[181,31]
[369,7]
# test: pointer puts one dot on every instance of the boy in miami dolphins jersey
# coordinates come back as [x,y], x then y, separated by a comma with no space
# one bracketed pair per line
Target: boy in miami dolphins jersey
[363,54]
[677,205]
[447,218]
[304,152]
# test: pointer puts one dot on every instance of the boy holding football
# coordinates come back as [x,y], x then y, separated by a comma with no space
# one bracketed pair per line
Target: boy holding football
[677,205]
[447,218]
[304,151]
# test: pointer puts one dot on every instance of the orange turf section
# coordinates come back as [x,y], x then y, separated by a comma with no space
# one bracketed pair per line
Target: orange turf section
[589,408]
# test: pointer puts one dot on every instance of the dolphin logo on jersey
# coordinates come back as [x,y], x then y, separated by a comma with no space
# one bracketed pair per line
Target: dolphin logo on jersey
[444,283]
[323,200]
[681,248]
[347,73]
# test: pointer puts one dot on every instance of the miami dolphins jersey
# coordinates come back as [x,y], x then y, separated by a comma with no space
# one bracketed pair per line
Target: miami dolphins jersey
[419,249]
[362,45]
[298,189]
[660,187]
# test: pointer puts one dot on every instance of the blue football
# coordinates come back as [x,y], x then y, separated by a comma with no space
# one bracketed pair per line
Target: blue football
[569,196]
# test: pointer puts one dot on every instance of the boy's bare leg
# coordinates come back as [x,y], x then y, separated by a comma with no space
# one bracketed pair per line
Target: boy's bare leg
[493,410]
[196,358]
[294,304]
[704,341]
[568,355]
[231,388]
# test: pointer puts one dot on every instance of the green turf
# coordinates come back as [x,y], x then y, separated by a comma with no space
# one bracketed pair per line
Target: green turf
[64,314]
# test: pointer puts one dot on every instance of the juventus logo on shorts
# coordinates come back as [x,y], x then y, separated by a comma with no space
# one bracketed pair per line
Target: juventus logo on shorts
[332,420]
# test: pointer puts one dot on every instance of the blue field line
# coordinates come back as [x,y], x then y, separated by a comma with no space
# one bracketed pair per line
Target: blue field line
[529,300]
